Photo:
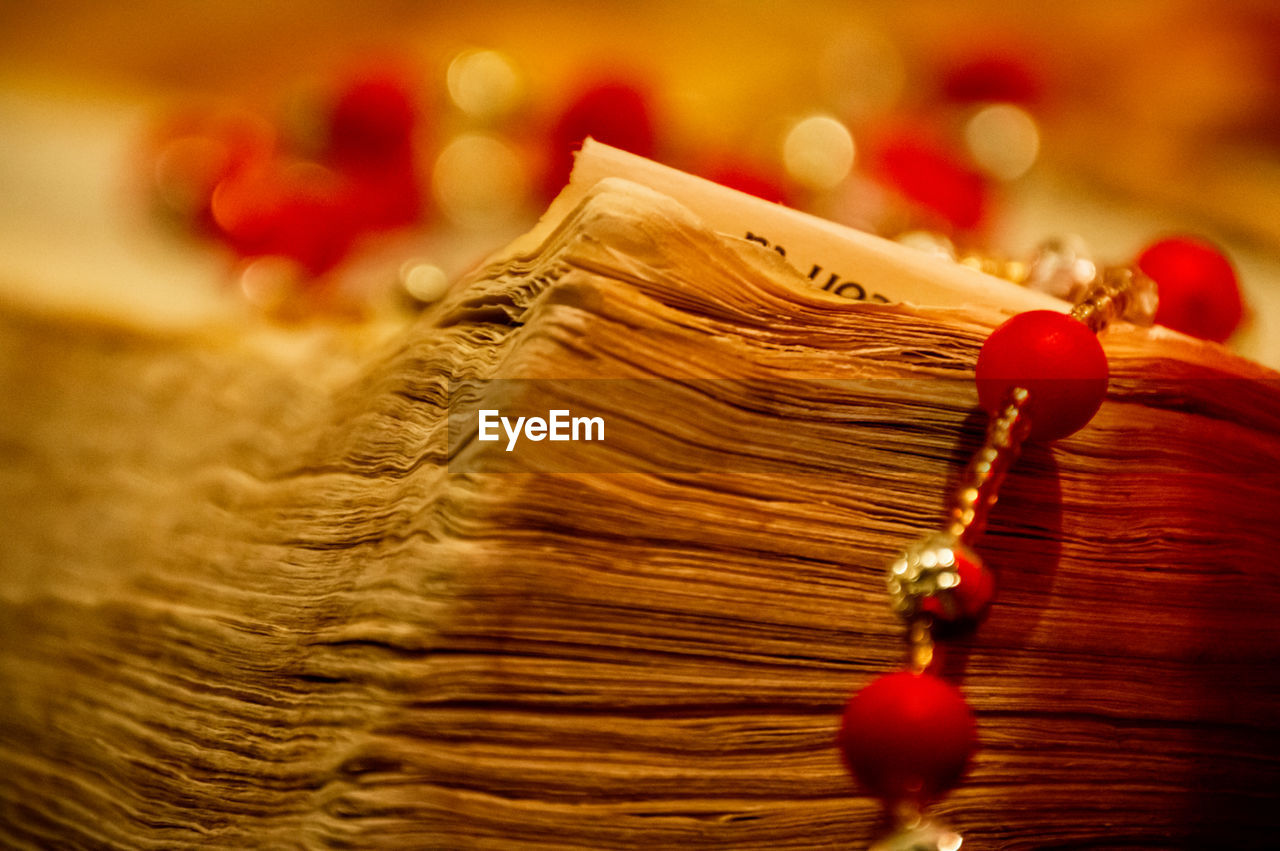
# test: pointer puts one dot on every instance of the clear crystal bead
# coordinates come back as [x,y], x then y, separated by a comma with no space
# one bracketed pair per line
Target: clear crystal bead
[1143,300]
[1061,267]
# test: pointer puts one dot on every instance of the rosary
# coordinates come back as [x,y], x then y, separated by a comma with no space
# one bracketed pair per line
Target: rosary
[908,736]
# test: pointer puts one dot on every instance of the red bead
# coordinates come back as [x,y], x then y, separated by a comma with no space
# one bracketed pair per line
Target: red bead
[907,736]
[372,119]
[615,112]
[243,207]
[316,229]
[749,178]
[994,75]
[298,210]
[1199,293]
[387,195]
[969,598]
[915,162]
[195,151]
[374,125]
[1057,359]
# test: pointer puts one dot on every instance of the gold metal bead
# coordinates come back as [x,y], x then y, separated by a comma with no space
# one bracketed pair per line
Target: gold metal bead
[978,489]
[930,567]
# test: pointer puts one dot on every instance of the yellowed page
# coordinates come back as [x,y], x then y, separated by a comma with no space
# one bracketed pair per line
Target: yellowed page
[848,262]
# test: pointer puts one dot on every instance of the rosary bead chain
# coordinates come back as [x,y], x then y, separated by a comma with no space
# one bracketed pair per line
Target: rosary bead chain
[1041,375]
[980,486]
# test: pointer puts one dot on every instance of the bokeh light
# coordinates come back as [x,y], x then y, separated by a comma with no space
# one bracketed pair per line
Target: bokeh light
[818,152]
[479,181]
[1003,140]
[423,280]
[484,84]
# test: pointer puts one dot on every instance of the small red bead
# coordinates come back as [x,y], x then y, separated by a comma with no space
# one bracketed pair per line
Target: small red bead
[1199,293]
[969,599]
[907,736]
[1057,359]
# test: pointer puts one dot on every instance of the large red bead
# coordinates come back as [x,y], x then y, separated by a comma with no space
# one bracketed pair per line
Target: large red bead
[907,736]
[1057,359]
[1199,293]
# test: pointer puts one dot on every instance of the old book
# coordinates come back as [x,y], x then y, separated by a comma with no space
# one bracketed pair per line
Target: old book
[271,589]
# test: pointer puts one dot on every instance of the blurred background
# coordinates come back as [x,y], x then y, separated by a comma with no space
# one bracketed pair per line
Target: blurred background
[337,161]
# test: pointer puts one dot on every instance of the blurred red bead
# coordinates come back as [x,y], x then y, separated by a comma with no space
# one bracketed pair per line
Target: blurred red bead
[373,119]
[616,112]
[969,599]
[1198,290]
[907,736]
[298,210]
[243,206]
[912,160]
[993,76]
[192,152]
[1057,359]
[390,195]
[375,125]
[316,229]
[749,178]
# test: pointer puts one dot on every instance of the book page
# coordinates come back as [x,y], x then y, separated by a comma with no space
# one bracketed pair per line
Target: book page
[846,262]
